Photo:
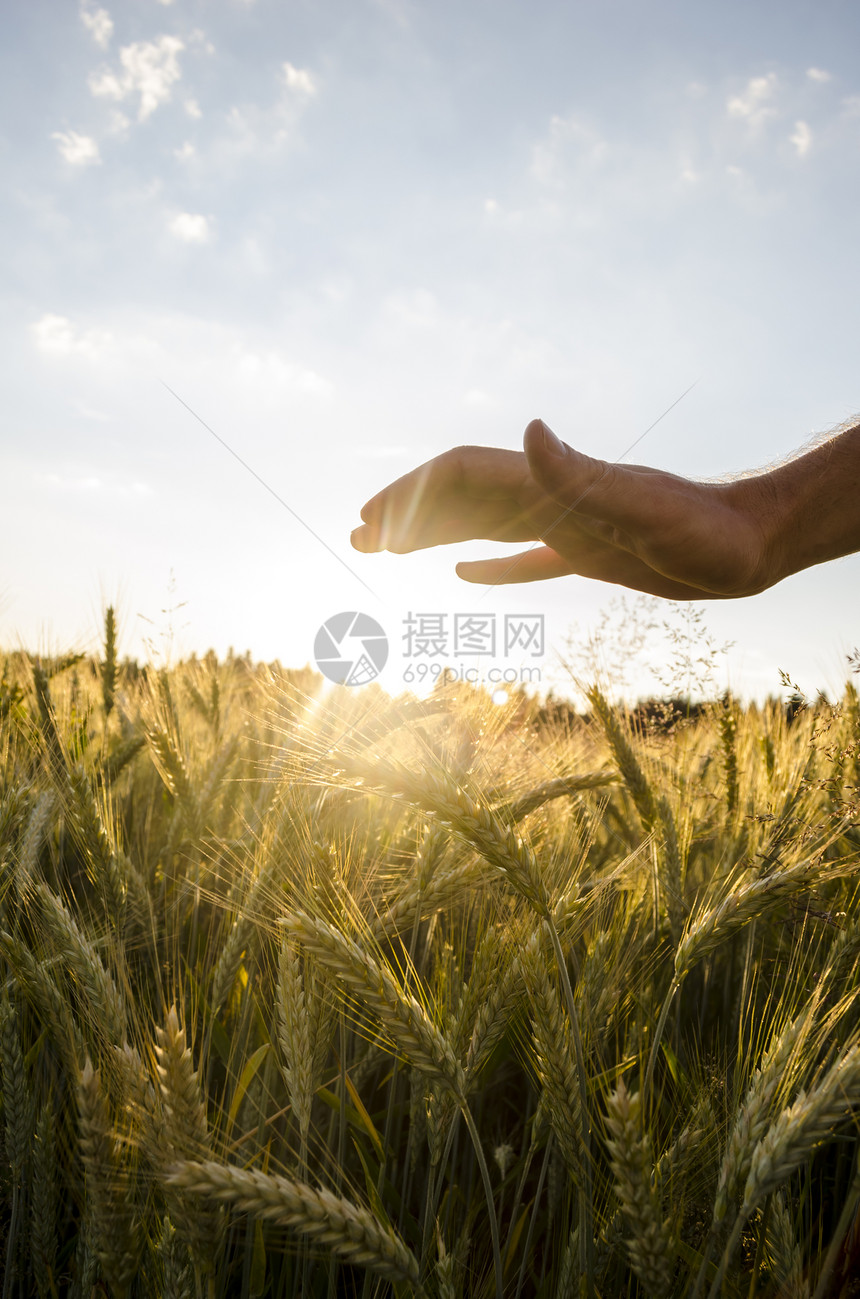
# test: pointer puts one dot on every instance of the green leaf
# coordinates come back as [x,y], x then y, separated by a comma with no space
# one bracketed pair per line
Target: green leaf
[244,1082]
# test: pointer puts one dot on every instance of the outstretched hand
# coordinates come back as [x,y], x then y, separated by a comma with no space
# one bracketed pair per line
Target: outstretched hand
[627,524]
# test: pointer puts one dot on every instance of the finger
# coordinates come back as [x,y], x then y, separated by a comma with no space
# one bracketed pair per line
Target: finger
[367,539]
[628,498]
[535,565]
[617,567]
[490,472]
[467,493]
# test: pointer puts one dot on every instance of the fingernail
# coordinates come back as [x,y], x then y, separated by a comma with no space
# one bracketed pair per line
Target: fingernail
[552,445]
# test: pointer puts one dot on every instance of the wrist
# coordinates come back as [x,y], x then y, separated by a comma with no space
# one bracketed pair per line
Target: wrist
[807,509]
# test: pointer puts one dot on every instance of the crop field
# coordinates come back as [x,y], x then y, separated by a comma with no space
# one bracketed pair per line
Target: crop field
[339,995]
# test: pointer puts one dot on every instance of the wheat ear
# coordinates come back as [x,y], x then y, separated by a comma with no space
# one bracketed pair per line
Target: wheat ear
[185,1132]
[469,817]
[791,1140]
[554,1059]
[650,1246]
[753,1116]
[177,1277]
[294,1036]
[782,1252]
[401,1016]
[801,1127]
[43,1206]
[559,787]
[711,927]
[628,764]
[349,1231]
[112,1213]
[106,1005]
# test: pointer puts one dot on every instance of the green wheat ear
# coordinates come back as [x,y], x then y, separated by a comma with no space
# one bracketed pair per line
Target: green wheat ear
[109,663]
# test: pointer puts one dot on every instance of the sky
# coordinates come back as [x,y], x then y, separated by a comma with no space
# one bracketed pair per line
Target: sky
[347,235]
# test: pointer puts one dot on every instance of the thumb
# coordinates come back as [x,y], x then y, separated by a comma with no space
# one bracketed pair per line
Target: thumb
[583,484]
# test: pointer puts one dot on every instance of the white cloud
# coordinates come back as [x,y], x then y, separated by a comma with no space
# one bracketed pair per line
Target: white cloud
[149,69]
[753,105]
[186,152]
[299,80]
[506,218]
[190,227]
[273,370]
[256,131]
[58,336]
[567,138]
[118,122]
[801,139]
[99,24]
[193,109]
[818,74]
[199,38]
[79,150]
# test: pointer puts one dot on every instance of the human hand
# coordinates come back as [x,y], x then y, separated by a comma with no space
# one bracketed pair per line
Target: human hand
[627,524]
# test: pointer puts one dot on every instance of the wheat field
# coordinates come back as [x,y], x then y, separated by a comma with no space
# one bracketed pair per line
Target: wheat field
[352,996]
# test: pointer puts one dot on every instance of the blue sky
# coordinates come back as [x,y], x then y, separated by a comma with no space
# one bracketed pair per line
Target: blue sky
[351,234]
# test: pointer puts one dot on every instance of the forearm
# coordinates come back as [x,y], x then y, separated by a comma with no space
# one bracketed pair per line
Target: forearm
[811,505]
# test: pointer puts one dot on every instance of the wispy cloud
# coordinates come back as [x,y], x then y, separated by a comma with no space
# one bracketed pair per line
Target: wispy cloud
[190,228]
[818,74]
[79,150]
[299,80]
[568,138]
[58,336]
[755,104]
[255,130]
[193,109]
[98,23]
[273,370]
[148,69]
[801,139]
